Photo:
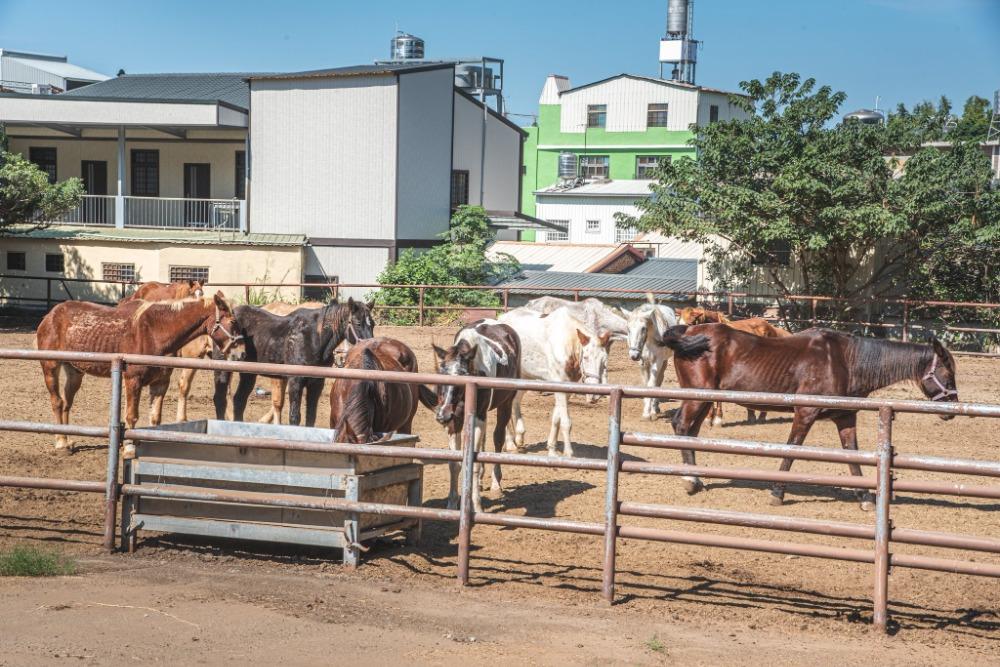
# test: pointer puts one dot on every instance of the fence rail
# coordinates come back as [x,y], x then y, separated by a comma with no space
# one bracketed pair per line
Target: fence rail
[885,461]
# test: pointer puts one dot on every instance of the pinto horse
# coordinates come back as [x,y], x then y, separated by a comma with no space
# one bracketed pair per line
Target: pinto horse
[137,327]
[155,291]
[306,338]
[361,409]
[486,348]
[758,326]
[816,361]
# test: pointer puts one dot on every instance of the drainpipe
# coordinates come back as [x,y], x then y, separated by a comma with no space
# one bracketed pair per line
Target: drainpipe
[120,193]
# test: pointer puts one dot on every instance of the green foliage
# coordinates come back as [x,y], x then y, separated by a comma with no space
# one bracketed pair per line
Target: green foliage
[460,260]
[25,561]
[655,645]
[791,179]
[26,195]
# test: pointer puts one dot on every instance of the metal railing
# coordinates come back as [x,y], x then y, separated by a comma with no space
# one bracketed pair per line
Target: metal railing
[97,210]
[884,459]
[180,213]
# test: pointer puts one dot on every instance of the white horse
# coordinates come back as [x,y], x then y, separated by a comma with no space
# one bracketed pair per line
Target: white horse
[652,358]
[557,348]
[592,312]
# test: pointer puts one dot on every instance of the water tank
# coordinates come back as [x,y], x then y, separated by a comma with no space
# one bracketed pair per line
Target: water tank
[406,47]
[677,17]
[567,165]
[474,77]
[866,116]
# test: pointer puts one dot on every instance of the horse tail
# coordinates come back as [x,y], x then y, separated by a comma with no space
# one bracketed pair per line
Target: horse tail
[685,347]
[427,397]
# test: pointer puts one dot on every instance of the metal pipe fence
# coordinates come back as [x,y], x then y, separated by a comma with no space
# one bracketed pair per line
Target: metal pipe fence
[882,533]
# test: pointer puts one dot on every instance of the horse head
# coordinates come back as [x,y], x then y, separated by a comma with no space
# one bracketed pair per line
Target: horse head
[196,288]
[458,360]
[359,322]
[594,359]
[938,379]
[225,332]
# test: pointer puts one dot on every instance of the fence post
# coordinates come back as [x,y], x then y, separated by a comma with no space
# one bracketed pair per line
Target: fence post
[813,312]
[466,508]
[729,301]
[246,294]
[883,526]
[576,295]
[906,321]
[420,309]
[114,442]
[611,494]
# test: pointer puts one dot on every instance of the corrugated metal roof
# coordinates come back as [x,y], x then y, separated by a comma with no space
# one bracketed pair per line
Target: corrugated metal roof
[59,68]
[553,256]
[597,284]
[662,267]
[355,70]
[670,246]
[662,82]
[228,87]
[619,188]
[179,236]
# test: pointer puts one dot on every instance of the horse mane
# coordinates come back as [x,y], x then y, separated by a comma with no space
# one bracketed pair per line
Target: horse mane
[875,363]
[175,305]
[361,399]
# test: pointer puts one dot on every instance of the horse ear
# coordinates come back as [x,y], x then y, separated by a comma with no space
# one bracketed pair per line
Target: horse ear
[439,351]
[941,351]
[470,353]
[626,313]
[604,337]
[350,303]
[220,301]
[584,338]
[370,305]
[192,283]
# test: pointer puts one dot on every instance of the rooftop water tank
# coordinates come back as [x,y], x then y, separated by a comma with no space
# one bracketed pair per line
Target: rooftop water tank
[866,116]
[677,17]
[405,46]
[567,165]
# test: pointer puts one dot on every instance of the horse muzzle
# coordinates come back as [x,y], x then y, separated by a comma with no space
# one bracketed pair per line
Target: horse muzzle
[444,414]
[634,353]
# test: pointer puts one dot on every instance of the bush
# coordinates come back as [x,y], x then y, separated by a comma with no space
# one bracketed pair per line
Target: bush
[25,561]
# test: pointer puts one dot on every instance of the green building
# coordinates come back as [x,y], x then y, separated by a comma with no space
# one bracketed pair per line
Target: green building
[615,129]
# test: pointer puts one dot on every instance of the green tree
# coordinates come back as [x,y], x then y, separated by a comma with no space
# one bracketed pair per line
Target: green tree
[27,199]
[460,260]
[975,121]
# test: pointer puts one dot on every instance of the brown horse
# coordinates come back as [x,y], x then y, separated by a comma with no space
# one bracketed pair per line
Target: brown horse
[816,361]
[154,291]
[135,327]
[757,326]
[361,409]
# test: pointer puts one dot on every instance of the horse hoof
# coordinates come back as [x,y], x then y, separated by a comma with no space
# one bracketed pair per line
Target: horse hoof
[717,421]
[867,506]
[693,486]
[775,501]
[129,451]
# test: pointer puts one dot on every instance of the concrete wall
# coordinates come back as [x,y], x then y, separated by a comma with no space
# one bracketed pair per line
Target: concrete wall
[323,157]
[349,265]
[627,100]
[727,110]
[83,259]
[503,156]
[578,210]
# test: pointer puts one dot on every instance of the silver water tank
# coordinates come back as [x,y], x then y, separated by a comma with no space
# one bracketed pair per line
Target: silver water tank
[567,165]
[405,46]
[865,116]
[677,17]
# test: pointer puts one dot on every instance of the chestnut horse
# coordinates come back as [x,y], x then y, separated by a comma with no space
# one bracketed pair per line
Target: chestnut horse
[816,361]
[154,291]
[134,327]
[758,326]
[361,409]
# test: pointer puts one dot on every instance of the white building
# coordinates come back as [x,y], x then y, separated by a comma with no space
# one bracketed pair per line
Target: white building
[42,74]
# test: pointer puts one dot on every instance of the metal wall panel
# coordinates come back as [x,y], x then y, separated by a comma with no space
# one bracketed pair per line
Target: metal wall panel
[627,100]
[503,156]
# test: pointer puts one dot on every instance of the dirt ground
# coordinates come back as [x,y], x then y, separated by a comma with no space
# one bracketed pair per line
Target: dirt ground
[534,597]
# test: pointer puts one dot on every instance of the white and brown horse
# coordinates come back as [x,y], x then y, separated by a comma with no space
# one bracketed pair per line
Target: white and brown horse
[485,348]
[158,328]
[557,348]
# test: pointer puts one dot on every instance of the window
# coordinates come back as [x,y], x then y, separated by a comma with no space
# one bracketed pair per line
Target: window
[145,173]
[323,294]
[182,273]
[119,273]
[16,261]
[44,159]
[459,189]
[55,263]
[597,115]
[241,175]
[777,253]
[625,233]
[593,226]
[553,235]
[645,165]
[656,115]
[713,113]
[594,166]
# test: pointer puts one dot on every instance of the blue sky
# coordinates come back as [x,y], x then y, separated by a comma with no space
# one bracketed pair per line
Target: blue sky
[902,50]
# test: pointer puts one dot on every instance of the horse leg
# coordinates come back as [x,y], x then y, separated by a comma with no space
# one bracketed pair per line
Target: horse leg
[801,423]
[565,423]
[220,395]
[499,431]
[550,443]
[314,389]
[479,442]
[50,372]
[71,384]
[133,392]
[295,387]
[647,380]
[454,468]
[515,426]
[183,389]
[242,394]
[847,427]
[717,414]
[687,421]
[158,387]
[278,388]
[659,369]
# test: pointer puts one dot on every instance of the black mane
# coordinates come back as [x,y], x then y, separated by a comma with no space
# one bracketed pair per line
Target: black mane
[875,363]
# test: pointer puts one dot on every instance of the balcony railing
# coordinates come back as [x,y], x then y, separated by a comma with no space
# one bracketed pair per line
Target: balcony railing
[156,213]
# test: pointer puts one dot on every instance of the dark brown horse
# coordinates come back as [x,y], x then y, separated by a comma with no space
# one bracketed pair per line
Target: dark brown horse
[485,348]
[135,327]
[360,410]
[816,361]
[154,291]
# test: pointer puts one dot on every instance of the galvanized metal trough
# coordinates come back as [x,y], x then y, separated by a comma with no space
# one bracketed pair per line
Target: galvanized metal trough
[214,469]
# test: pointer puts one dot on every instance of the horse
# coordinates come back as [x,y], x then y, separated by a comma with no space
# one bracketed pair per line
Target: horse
[592,312]
[360,409]
[758,326]
[157,328]
[816,361]
[558,348]
[307,337]
[652,358]
[486,348]
[155,291]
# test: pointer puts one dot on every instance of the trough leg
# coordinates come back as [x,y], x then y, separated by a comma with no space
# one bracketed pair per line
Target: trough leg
[128,509]
[352,527]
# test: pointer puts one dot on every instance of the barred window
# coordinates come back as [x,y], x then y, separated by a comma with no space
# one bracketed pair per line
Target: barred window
[713,113]
[594,166]
[16,261]
[625,233]
[553,235]
[116,272]
[593,226]
[656,115]
[44,159]
[645,165]
[145,173]
[459,188]
[182,273]
[597,115]
[55,263]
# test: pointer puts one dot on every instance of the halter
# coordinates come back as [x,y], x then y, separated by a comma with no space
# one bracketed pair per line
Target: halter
[932,375]
[233,339]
